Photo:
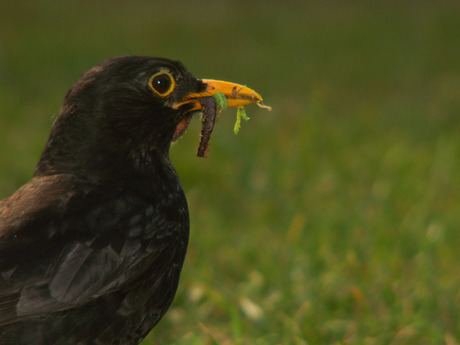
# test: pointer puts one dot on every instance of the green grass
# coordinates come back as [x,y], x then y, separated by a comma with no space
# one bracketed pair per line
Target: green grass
[333,219]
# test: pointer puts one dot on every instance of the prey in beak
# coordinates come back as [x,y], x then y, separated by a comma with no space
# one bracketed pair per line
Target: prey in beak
[236,95]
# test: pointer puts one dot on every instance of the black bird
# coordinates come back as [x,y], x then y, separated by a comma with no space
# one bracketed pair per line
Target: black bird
[91,248]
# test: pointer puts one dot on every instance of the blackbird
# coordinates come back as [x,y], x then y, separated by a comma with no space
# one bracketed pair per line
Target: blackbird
[91,248]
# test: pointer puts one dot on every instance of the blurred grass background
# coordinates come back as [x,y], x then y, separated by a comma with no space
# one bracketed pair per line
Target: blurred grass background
[333,219]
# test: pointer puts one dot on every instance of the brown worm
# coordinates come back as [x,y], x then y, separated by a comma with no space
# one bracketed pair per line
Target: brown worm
[209,110]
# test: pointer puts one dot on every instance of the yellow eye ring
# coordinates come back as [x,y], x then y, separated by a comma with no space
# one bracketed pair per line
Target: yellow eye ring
[162,83]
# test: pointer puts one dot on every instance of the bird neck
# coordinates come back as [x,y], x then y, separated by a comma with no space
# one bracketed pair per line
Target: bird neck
[94,151]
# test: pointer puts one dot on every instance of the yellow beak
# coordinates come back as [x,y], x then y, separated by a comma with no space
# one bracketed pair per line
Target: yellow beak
[235,94]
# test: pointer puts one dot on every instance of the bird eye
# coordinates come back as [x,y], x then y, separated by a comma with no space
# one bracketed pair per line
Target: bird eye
[162,83]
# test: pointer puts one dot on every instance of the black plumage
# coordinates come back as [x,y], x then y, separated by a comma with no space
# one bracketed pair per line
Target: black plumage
[92,246]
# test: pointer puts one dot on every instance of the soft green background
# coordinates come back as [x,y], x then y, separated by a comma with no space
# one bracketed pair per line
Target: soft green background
[334,218]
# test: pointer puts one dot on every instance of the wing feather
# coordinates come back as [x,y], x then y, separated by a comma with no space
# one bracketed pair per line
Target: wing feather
[53,258]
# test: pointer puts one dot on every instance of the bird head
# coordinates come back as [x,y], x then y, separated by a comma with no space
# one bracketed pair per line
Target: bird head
[125,111]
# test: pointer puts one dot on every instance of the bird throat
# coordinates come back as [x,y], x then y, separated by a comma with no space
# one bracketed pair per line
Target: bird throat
[182,127]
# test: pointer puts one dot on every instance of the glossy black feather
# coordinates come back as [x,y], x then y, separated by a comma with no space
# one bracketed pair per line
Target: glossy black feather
[92,246]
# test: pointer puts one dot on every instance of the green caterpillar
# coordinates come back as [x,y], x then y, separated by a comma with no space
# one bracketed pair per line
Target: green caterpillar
[241,113]
[221,102]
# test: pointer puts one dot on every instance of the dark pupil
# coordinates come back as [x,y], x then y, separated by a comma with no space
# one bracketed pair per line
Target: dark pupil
[161,83]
